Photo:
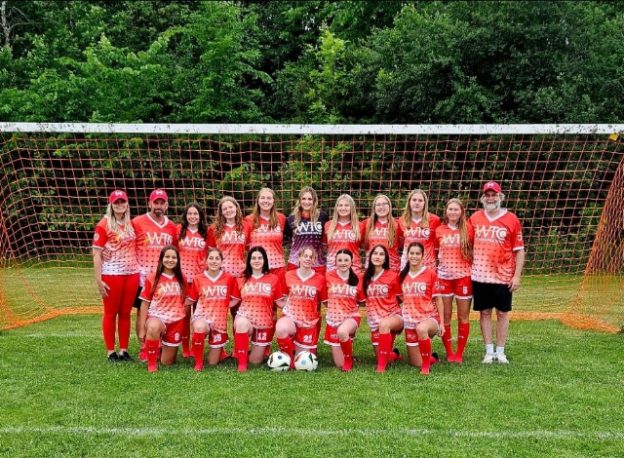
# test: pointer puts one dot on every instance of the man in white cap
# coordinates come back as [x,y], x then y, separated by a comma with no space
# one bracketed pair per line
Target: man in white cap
[497,265]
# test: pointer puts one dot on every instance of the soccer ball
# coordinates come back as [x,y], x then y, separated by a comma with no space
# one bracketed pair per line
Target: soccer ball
[306,361]
[279,361]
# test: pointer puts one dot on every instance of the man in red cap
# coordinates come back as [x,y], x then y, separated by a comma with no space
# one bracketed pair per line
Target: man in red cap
[496,268]
[154,231]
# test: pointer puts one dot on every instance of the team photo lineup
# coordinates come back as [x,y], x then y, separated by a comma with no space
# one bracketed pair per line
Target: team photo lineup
[406,272]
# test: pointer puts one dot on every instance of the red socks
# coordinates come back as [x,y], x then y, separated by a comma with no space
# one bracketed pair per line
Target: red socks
[186,350]
[241,347]
[463,331]
[383,349]
[446,340]
[152,348]
[198,349]
[347,353]
[286,345]
[425,352]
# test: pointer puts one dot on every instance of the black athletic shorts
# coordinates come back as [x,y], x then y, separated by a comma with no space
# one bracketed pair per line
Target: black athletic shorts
[137,301]
[491,296]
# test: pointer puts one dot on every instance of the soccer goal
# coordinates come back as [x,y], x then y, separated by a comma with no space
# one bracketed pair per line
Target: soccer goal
[565,182]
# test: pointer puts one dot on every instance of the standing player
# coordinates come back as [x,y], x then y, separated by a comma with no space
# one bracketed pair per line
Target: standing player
[421,316]
[382,289]
[161,318]
[305,227]
[116,272]
[192,245]
[343,232]
[454,239]
[298,329]
[344,294]
[497,265]
[382,229]
[214,292]
[418,225]
[260,294]
[154,231]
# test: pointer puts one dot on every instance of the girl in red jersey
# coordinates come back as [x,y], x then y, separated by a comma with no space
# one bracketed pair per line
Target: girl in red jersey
[418,225]
[192,245]
[116,272]
[382,229]
[343,232]
[214,292]
[344,295]
[422,318]
[162,313]
[297,329]
[260,294]
[382,289]
[455,239]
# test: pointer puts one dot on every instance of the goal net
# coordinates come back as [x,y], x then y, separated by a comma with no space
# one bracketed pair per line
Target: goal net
[565,182]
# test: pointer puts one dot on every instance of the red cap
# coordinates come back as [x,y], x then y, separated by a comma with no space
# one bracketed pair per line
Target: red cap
[158,194]
[492,186]
[117,195]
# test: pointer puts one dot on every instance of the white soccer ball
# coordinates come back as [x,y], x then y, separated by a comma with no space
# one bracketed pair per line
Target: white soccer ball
[306,361]
[279,361]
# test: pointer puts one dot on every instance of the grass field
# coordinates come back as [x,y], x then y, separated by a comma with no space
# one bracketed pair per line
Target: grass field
[560,396]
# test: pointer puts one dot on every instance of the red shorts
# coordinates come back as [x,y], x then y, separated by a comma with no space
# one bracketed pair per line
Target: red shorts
[306,337]
[172,336]
[262,337]
[375,335]
[461,288]
[217,339]
[331,332]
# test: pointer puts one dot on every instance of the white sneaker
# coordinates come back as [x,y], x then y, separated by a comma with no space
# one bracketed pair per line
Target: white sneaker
[502,358]
[488,358]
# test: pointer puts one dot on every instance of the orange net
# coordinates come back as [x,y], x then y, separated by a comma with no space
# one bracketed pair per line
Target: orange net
[566,189]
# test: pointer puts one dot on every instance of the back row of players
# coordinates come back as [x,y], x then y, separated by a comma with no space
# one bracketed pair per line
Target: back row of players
[414,266]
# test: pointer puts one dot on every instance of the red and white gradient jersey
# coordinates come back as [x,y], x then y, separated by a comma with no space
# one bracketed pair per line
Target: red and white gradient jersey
[118,251]
[233,245]
[167,303]
[343,237]
[419,289]
[305,295]
[452,264]
[495,243]
[382,298]
[258,296]
[213,296]
[151,238]
[423,235]
[193,249]
[342,299]
[272,240]
[379,236]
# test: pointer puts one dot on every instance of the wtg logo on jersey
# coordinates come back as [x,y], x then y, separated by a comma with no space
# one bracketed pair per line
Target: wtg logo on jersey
[450,240]
[265,229]
[344,235]
[169,289]
[257,289]
[338,290]
[193,242]
[214,292]
[377,290]
[309,228]
[491,233]
[418,233]
[158,239]
[233,237]
[303,291]
[415,289]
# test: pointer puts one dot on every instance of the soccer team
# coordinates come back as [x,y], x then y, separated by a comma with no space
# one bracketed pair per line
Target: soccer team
[186,279]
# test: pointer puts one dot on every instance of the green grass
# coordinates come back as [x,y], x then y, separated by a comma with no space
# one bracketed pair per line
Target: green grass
[560,396]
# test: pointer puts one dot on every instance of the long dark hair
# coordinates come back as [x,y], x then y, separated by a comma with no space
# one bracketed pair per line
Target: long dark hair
[177,270]
[370,269]
[406,269]
[353,278]
[201,226]
[265,266]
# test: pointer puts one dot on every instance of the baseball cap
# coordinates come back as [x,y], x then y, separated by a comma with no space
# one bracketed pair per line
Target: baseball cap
[117,195]
[491,186]
[158,194]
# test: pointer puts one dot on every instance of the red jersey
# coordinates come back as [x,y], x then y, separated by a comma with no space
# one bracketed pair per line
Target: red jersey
[379,236]
[167,303]
[415,232]
[381,298]
[258,296]
[193,249]
[151,238]
[343,237]
[342,299]
[419,289]
[305,295]
[452,264]
[233,245]
[272,240]
[213,296]
[495,242]
[119,251]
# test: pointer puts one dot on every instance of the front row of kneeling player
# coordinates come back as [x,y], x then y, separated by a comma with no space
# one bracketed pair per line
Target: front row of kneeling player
[409,301]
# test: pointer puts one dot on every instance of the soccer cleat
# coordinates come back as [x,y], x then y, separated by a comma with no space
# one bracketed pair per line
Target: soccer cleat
[502,358]
[124,356]
[394,355]
[434,358]
[488,358]
[224,355]
[459,359]
[113,357]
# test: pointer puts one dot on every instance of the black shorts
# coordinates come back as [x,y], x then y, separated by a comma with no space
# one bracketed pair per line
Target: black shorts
[137,301]
[490,296]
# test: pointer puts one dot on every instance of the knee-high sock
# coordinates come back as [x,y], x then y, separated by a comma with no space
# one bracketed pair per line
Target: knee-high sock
[463,331]
[241,347]
[199,339]
[153,352]
[287,346]
[446,340]
[425,352]
[384,347]
[347,353]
